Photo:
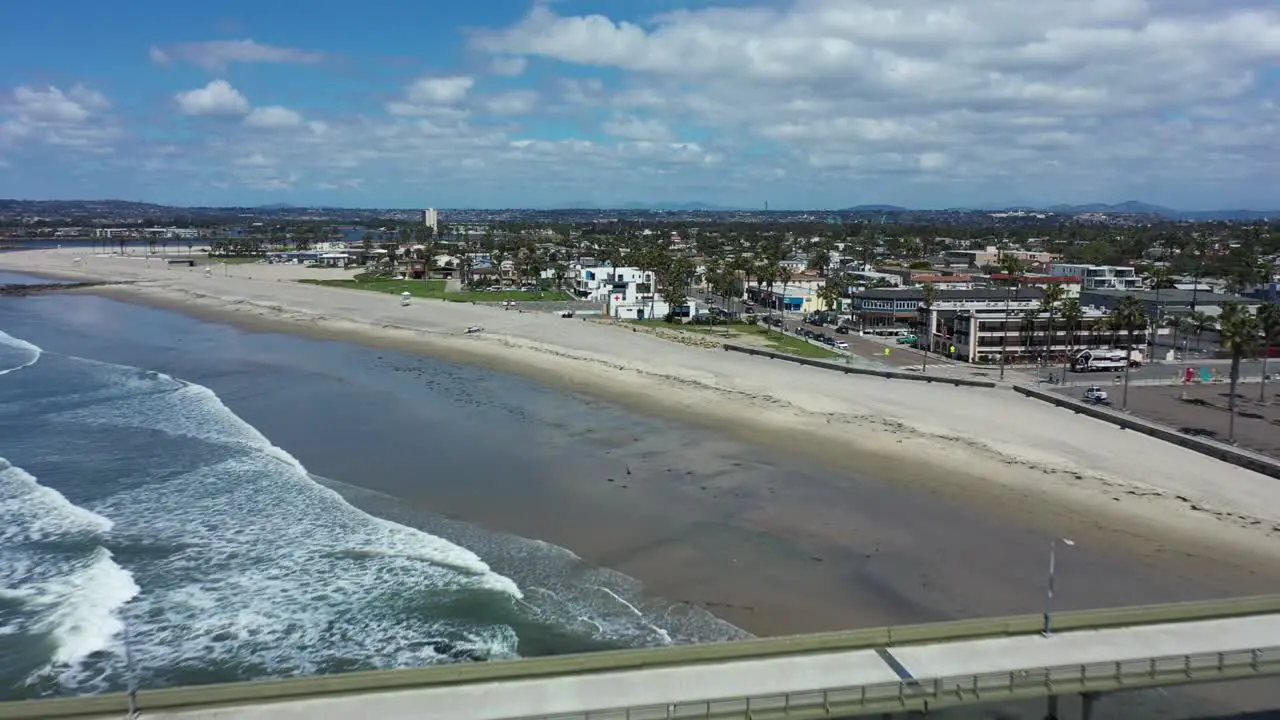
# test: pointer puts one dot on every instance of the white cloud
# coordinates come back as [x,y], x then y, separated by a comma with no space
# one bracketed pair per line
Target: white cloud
[273,117]
[983,91]
[75,118]
[515,102]
[634,128]
[257,159]
[53,105]
[217,99]
[805,102]
[217,55]
[437,97]
[439,90]
[508,66]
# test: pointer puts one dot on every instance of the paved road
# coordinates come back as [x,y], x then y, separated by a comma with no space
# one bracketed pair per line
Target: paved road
[900,357]
[953,661]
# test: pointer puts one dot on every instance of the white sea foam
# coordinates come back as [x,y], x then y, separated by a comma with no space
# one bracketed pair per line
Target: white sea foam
[83,608]
[73,598]
[268,568]
[16,353]
[31,512]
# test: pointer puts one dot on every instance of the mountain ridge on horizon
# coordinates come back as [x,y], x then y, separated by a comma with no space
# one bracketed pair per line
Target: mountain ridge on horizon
[1128,207]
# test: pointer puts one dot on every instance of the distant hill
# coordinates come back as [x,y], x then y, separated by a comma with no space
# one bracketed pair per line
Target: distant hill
[681,207]
[12,209]
[1137,207]
[876,208]
[668,206]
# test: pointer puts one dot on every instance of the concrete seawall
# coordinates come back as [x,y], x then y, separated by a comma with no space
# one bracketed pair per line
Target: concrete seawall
[849,370]
[1226,453]
[157,702]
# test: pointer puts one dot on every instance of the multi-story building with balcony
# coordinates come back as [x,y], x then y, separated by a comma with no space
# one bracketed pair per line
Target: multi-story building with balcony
[597,283]
[1020,330]
[1099,277]
[887,310]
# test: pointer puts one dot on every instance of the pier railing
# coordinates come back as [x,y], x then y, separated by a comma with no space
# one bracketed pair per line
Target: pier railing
[357,683]
[936,693]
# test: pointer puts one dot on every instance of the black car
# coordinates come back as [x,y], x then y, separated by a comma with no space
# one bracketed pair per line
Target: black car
[842,330]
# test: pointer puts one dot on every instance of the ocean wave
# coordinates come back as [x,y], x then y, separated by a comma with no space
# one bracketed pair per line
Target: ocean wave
[74,596]
[263,570]
[31,512]
[16,353]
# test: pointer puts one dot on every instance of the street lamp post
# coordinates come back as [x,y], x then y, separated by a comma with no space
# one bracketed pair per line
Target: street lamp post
[1048,595]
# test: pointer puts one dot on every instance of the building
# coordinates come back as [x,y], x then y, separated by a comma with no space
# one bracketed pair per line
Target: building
[992,255]
[596,284]
[431,219]
[944,282]
[1100,277]
[1070,283]
[797,299]
[1167,302]
[896,310]
[638,301]
[982,333]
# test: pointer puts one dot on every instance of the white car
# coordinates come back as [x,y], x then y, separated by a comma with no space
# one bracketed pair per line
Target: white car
[841,344]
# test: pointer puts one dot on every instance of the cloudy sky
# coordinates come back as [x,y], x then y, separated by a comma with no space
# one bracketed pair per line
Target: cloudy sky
[503,103]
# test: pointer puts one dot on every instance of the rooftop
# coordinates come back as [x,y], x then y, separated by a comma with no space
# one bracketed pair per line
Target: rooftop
[1178,297]
[1031,293]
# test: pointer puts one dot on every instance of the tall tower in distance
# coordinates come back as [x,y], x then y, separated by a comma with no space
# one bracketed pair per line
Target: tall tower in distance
[431,219]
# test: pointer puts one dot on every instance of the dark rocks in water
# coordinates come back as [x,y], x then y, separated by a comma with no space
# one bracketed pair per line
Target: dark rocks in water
[35,288]
[455,652]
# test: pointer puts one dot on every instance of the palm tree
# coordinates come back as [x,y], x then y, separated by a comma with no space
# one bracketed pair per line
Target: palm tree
[1103,327]
[1199,323]
[1269,321]
[1053,296]
[820,260]
[930,297]
[1161,279]
[1014,268]
[1072,314]
[1129,315]
[1239,331]
[829,295]
[1027,329]
[784,274]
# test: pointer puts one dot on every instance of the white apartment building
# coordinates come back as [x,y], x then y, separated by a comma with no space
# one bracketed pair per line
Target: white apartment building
[1099,277]
[431,219]
[638,301]
[982,332]
[596,284]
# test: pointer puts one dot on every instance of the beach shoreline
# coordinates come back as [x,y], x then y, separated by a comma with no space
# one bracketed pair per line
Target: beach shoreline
[1165,506]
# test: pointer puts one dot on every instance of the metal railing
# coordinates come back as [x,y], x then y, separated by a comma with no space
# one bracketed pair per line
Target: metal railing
[933,693]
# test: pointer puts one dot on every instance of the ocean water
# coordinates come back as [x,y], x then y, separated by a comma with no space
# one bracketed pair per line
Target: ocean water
[151,534]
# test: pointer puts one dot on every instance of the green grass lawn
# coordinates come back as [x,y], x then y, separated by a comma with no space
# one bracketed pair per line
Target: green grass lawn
[435,289]
[235,260]
[776,340]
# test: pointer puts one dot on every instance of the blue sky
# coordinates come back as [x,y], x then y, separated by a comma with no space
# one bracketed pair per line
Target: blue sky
[506,103]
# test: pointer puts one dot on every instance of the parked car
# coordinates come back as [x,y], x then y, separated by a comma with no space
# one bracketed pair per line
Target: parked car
[1096,395]
[840,344]
[907,340]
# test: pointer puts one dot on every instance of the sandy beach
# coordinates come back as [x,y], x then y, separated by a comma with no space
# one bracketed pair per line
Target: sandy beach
[833,501]
[989,453]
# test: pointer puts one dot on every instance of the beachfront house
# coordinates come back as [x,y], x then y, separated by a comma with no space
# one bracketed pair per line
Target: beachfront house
[597,284]
[639,301]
